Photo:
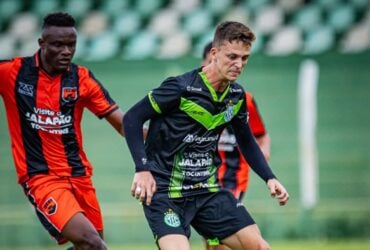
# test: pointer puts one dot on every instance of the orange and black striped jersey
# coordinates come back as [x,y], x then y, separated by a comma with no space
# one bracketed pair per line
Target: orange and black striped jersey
[255,120]
[44,116]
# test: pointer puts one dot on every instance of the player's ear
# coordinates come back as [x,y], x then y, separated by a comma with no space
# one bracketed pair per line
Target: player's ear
[213,53]
[41,42]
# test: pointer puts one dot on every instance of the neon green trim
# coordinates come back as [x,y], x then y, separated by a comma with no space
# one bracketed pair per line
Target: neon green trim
[213,242]
[154,103]
[174,190]
[202,116]
[212,90]
[211,183]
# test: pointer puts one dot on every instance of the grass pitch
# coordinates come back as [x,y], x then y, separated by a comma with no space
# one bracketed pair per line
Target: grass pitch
[279,245]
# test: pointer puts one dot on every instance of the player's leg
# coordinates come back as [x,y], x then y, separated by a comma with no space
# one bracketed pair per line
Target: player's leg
[82,233]
[174,241]
[223,218]
[60,213]
[91,221]
[169,220]
[248,238]
[209,245]
[219,247]
[237,186]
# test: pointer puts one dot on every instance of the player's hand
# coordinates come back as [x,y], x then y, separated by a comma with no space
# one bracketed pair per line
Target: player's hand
[143,186]
[278,191]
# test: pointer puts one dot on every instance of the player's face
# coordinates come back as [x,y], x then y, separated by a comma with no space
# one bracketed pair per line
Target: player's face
[231,58]
[57,45]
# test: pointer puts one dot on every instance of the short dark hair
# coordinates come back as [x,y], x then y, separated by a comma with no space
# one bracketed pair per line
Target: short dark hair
[233,31]
[60,19]
[207,49]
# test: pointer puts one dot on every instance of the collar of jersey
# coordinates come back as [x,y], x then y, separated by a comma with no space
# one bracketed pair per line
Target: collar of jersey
[212,90]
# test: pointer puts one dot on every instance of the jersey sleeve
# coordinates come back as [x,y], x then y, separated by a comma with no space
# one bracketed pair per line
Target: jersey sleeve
[255,120]
[98,100]
[5,67]
[251,151]
[243,113]
[166,97]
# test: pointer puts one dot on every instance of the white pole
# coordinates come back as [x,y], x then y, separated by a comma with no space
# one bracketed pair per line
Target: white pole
[307,119]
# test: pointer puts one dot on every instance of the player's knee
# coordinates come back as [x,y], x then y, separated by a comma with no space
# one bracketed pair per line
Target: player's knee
[263,245]
[89,241]
[257,245]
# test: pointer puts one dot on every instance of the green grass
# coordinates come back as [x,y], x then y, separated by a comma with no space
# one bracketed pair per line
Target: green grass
[278,245]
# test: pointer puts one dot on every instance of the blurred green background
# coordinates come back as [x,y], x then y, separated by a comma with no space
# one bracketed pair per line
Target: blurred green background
[343,136]
[118,40]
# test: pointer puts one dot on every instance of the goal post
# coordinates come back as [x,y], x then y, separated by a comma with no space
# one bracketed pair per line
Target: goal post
[307,120]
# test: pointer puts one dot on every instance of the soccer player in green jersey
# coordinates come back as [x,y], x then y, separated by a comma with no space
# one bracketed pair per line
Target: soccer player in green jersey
[176,169]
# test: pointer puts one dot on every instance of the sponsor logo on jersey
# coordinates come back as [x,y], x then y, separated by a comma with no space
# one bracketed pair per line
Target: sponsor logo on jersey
[69,94]
[227,141]
[235,90]
[227,137]
[53,122]
[205,162]
[50,206]
[193,89]
[200,185]
[189,138]
[25,89]
[196,173]
[171,218]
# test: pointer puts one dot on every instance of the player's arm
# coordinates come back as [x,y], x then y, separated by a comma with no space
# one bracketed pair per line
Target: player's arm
[133,122]
[252,152]
[98,100]
[143,185]
[5,67]
[115,119]
[159,101]
[264,141]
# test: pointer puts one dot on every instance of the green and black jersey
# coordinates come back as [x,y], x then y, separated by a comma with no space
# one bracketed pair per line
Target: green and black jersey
[182,139]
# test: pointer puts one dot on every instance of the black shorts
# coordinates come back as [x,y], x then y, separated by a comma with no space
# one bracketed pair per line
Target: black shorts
[214,215]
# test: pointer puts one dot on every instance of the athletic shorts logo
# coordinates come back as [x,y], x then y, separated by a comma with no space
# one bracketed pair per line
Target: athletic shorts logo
[171,218]
[69,94]
[50,206]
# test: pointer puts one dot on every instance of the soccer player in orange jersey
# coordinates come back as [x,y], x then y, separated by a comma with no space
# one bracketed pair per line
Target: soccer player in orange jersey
[44,96]
[233,173]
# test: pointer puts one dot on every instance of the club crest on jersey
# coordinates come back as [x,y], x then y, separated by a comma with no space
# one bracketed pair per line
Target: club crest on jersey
[69,94]
[229,112]
[50,206]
